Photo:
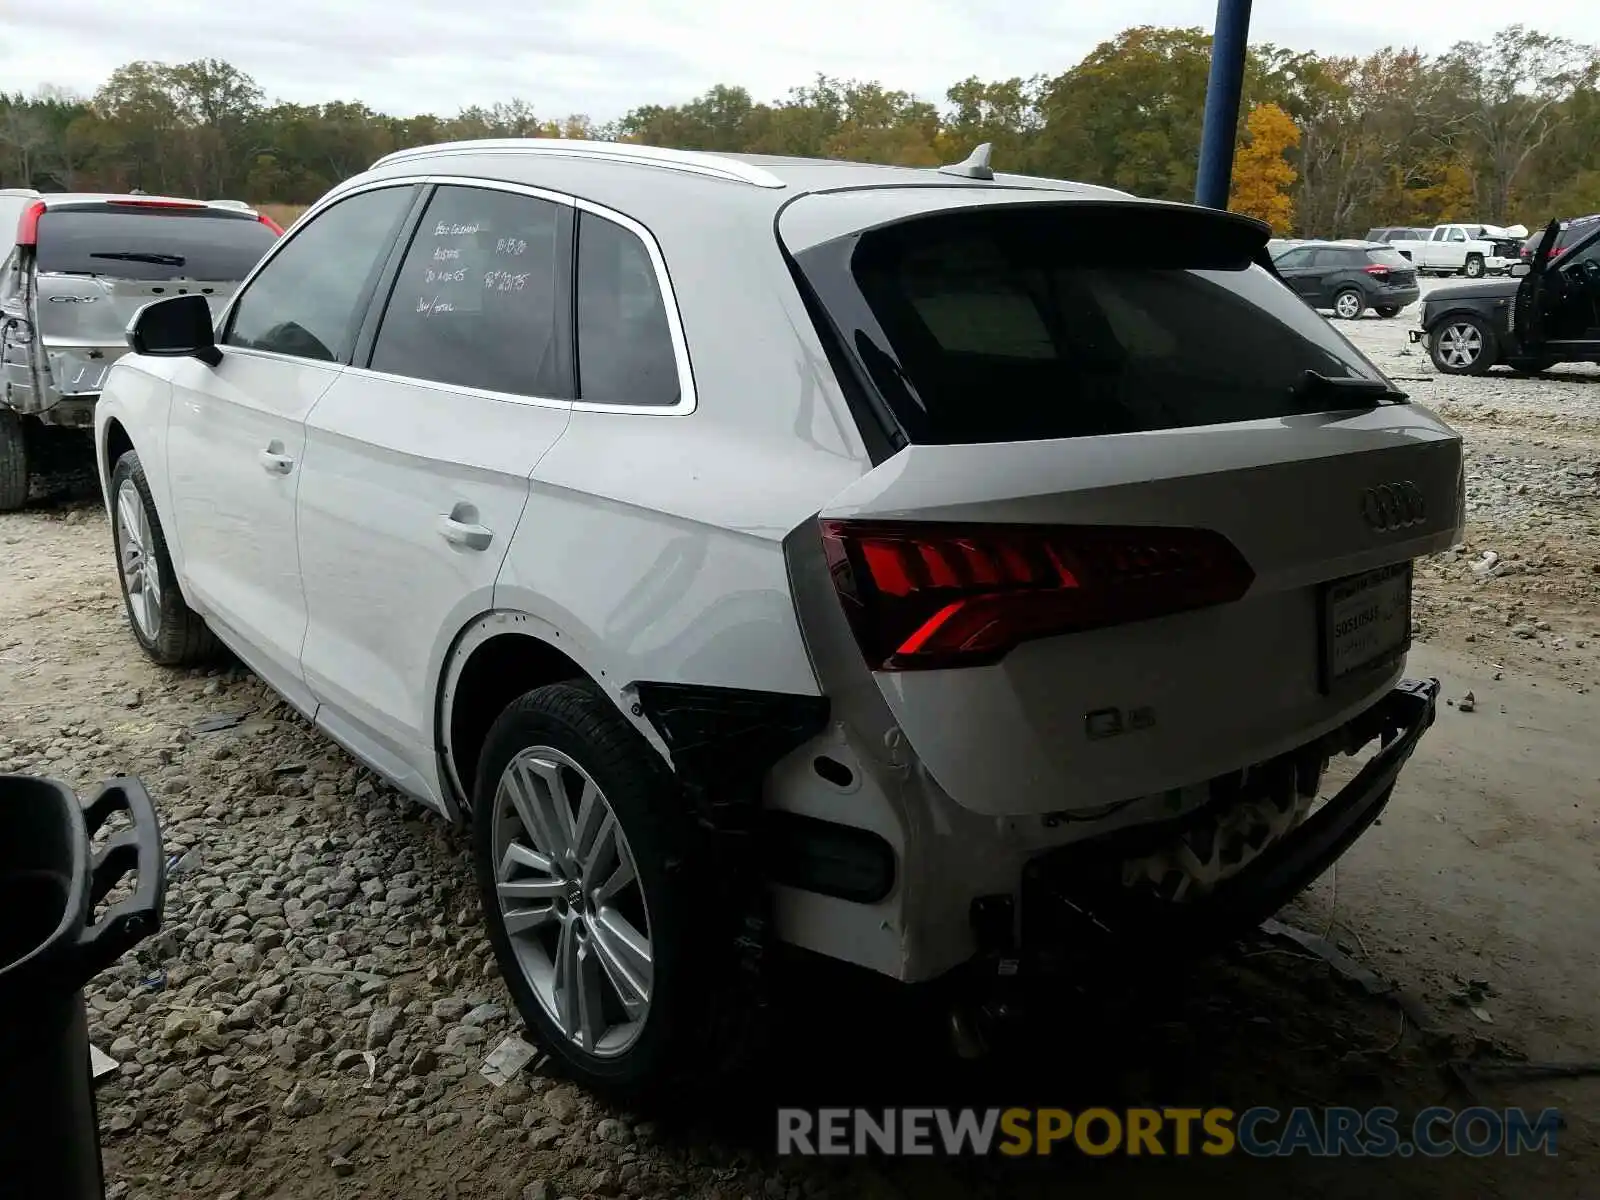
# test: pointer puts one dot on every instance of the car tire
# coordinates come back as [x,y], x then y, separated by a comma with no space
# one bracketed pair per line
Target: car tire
[1349,304]
[644,1002]
[13,460]
[1474,267]
[166,628]
[1387,311]
[1461,345]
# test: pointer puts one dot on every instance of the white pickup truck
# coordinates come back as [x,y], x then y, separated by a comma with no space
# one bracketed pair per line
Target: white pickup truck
[1471,249]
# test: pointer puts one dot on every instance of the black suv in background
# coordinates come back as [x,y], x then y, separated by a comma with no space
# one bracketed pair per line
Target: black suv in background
[1350,277]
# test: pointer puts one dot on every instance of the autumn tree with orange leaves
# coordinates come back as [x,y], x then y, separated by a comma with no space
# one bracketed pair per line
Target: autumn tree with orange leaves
[1262,175]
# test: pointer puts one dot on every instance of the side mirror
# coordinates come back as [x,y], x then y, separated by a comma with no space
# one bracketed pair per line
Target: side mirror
[178,327]
[1520,269]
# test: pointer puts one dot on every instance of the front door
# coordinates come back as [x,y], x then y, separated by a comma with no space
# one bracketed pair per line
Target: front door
[1572,325]
[236,434]
[1294,267]
[418,458]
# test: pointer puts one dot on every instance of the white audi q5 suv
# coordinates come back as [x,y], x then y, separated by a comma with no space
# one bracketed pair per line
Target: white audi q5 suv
[942,571]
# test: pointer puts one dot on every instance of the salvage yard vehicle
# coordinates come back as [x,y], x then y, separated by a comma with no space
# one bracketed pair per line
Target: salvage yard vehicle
[755,552]
[1349,277]
[1548,313]
[77,269]
[1470,250]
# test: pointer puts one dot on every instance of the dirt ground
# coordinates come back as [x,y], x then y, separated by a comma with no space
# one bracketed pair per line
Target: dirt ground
[1476,895]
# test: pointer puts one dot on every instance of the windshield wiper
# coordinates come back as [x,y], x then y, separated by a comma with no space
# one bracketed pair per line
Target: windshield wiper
[144,256]
[1356,388]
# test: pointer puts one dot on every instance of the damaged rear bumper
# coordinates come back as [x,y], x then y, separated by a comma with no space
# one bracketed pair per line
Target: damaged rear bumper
[1074,906]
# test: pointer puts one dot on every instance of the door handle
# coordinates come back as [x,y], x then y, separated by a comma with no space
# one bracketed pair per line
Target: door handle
[461,533]
[273,460]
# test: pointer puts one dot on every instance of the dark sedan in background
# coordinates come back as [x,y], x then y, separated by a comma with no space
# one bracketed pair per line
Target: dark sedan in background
[1349,277]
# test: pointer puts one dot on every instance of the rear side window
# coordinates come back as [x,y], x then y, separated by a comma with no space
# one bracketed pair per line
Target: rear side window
[474,304]
[1388,258]
[153,244]
[625,352]
[999,327]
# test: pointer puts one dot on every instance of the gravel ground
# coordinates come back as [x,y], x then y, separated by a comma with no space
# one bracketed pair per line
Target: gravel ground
[312,1018]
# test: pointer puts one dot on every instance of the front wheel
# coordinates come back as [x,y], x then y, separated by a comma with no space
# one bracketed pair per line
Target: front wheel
[13,460]
[1474,267]
[1348,304]
[166,628]
[583,859]
[1462,346]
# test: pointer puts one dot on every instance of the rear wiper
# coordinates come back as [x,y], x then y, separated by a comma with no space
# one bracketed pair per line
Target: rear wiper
[163,260]
[1317,384]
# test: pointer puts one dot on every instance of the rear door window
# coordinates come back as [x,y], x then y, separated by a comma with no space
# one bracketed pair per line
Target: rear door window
[474,304]
[152,244]
[986,328]
[1388,258]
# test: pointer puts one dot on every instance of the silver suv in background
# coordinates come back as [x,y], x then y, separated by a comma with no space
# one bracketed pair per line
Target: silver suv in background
[74,269]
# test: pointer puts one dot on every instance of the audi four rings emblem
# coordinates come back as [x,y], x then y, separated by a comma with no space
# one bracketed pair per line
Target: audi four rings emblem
[1392,506]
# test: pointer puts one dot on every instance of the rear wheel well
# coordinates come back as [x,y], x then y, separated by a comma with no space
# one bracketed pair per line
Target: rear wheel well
[496,673]
[118,443]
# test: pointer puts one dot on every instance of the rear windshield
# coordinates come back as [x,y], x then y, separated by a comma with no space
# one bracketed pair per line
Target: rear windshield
[988,329]
[1388,258]
[171,244]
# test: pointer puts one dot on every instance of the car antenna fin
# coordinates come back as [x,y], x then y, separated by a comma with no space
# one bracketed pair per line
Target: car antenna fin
[974,166]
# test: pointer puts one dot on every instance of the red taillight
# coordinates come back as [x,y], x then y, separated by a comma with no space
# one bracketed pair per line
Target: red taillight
[28,224]
[270,223]
[1376,270]
[1557,251]
[932,595]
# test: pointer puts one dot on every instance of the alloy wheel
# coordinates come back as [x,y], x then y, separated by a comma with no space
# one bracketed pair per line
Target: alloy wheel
[1348,305]
[571,900]
[141,575]
[1460,344]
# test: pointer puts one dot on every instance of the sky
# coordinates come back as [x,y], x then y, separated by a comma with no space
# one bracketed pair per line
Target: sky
[604,57]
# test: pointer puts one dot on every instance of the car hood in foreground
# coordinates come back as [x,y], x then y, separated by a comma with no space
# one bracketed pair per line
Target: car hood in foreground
[1489,289]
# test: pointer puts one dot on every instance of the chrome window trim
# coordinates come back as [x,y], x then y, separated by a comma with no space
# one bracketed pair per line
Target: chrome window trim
[688,398]
[458,389]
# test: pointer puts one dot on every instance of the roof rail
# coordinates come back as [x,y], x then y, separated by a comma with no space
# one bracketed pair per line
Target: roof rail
[693,161]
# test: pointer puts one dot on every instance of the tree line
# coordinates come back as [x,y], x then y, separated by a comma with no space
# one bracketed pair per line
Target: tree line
[1501,131]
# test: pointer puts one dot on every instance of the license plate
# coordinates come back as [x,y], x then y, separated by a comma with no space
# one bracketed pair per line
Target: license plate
[1366,622]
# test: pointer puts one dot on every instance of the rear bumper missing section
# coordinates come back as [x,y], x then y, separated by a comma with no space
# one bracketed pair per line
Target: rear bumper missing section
[1072,906]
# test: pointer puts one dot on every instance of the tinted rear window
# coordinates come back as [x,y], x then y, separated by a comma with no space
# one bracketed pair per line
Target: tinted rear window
[156,244]
[986,329]
[1388,258]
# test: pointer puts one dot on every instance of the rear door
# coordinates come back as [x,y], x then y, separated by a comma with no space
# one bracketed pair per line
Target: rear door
[1151,524]
[236,433]
[417,461]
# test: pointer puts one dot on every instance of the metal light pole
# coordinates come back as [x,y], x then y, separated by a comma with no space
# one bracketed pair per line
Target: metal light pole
[1229,41]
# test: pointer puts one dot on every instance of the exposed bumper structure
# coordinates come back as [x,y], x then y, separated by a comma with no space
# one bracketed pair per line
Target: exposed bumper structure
[1072,905]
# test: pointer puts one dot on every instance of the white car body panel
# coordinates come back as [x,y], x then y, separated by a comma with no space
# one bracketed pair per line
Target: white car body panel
[235,444]
[1232,683]
[389,461]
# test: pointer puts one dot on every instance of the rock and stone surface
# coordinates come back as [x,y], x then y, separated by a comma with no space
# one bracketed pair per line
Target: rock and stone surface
[310,1019]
